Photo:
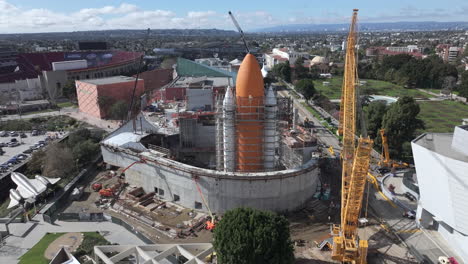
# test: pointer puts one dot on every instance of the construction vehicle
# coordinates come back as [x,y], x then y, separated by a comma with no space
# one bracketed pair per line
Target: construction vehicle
[347,247]
[385,160]
[96,187]
[331,150]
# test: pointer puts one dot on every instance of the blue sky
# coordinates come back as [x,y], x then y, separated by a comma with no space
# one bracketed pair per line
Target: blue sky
[66,15]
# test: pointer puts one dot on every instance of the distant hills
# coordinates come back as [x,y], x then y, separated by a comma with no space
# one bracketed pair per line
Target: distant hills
[119,33]
[381,26]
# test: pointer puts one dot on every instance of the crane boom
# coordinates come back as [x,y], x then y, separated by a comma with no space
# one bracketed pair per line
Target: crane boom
[348,111]
[347,248]
[240,31]
[385,156]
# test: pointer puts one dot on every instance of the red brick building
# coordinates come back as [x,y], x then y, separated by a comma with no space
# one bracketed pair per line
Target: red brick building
[117,88]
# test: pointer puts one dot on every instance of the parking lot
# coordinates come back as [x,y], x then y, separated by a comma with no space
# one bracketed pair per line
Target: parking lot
[24,144]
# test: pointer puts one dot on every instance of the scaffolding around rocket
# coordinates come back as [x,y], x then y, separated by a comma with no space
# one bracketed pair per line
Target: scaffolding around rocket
[247,123]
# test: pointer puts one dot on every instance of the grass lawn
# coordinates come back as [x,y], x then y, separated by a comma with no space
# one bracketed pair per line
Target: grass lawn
[66,104]
[442,116]
[36,253]
[38,112]
[333,90]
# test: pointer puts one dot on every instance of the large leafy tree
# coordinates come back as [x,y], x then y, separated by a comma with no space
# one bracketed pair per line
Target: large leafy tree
[118,110]
[283,71]
[250,236]
[400,123]
[375,112]
[306,88]
[463,89]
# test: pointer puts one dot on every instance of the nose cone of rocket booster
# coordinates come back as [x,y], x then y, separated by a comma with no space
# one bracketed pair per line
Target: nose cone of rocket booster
[250,103]
[249,78]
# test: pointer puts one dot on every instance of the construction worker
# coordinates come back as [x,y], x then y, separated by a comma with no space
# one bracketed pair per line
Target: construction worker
[210,225]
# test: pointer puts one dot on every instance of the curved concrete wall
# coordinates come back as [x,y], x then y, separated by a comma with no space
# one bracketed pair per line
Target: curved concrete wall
[276,191]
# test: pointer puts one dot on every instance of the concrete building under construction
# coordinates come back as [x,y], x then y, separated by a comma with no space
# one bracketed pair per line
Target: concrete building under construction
[248,151]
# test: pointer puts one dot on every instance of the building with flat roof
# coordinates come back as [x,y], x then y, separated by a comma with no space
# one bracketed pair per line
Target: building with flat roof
[441,161]
[95,96]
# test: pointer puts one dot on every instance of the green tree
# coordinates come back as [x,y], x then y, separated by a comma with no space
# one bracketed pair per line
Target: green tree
[400,123]
[36,163]
[78,136]
[283,71]
[85,151]
[69,90]
[58,161]
[118,110]
[375,112]
[300,72]
[306,88]
[248,236]
[463,88]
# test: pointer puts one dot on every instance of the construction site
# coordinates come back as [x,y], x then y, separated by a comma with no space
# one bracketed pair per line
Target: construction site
[214,141]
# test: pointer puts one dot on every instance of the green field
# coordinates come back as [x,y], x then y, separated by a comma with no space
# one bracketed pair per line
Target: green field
[442,116]
[66,104]
[333,90]
[36,253]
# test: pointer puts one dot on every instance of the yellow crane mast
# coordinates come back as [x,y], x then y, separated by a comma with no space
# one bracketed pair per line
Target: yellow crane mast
[347,248]
[348,111]
[385,160]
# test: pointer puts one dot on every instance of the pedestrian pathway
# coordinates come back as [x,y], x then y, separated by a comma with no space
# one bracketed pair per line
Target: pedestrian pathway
[25,235]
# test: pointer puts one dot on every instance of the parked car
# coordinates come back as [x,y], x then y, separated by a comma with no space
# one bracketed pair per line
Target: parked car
[28,151]
[13,144]
[3,144]
[13,160]
[410,214]
[13,134]
[43,142]
[13,140]
[34,133]
[21,156]
[23,135]
[3,134]
[4,166]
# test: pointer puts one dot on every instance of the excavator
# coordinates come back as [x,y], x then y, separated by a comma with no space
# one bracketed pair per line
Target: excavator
[347,246]
[385,161]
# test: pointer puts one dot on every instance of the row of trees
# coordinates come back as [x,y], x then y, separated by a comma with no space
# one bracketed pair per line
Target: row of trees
[410,72]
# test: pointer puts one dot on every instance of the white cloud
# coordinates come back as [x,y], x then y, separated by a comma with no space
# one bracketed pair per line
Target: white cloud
[200,14]
[15,19]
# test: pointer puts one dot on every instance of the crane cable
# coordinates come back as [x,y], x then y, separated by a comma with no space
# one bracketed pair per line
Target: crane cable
[203,198]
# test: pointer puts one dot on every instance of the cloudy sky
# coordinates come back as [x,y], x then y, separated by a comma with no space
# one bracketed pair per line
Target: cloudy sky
[18,16]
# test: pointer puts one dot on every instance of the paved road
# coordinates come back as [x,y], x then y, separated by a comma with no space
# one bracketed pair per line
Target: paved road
[26,235]
[323,135]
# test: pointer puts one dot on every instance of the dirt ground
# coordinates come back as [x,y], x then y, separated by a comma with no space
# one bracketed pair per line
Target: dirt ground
[309,226]
[70,241]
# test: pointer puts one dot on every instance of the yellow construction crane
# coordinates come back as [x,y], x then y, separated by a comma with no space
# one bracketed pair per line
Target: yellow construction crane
[385,160]
[347,247]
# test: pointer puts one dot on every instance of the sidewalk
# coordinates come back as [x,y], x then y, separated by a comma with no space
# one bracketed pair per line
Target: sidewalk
[25,235]
[426,245]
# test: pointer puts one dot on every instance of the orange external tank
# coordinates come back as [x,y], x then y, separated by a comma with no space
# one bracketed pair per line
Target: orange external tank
[249,115]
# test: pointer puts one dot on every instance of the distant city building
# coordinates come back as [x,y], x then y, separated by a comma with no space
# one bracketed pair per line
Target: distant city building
[441,161]
[282,55]
[55,69]
[156,79]
[449,53]
[114,89]
[320,63]
[380,52]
